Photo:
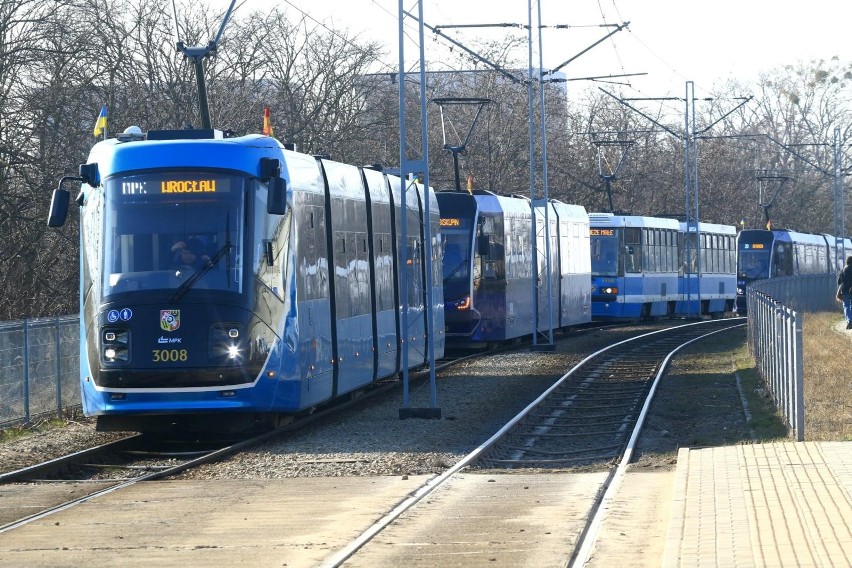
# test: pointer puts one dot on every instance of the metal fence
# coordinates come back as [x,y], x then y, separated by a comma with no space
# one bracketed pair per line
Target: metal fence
[39,368]
[775,311]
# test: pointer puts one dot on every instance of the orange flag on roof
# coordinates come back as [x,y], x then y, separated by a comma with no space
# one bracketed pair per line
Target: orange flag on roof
[267,127]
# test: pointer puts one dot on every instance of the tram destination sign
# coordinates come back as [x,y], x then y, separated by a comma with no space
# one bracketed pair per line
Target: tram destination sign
[596,232]
[179,184]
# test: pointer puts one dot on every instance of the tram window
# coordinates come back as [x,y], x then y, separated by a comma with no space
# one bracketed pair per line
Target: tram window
[415,280]
[341,277]
[732,258]
[658,251]
[713,260]
[648,235]
[729,256]
[810,258]
[632,250]
[673,252]
[384,282]
[783,260]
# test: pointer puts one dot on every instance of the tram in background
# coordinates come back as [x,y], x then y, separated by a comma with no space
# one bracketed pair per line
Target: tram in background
[764,253]
[488,266]
[646,267]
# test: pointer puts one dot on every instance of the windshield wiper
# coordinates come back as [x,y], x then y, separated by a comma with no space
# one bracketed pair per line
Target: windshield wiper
[456,269]
[190,282]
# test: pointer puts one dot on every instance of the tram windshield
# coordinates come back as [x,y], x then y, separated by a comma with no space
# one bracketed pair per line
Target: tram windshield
[457,248]
[604,250]
[175,230]
[754,248]
[753,264]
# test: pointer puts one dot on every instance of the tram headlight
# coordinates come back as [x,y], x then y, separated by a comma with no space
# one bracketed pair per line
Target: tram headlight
[458,305]
[609,290]
[226,342]
[115,345]
[113,354]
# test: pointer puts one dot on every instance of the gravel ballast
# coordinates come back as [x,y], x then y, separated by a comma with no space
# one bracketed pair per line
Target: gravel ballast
[476,398]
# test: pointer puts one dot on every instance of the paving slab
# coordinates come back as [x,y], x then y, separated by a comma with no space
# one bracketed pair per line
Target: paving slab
[783,504]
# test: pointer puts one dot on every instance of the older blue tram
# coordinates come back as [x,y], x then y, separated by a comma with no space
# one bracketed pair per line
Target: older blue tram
[646,267]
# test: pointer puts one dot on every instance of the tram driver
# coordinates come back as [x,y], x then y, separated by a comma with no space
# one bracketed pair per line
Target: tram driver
[189,253]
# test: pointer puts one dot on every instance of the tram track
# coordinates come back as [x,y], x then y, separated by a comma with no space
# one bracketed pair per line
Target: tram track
[125,462]
[143,470]
[548,441]
[587,416]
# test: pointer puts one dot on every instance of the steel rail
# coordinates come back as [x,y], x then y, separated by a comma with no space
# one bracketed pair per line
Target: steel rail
[337,559]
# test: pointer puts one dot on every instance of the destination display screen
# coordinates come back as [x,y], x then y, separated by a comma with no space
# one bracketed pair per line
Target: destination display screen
[175,185]
[454,223]
[596,232]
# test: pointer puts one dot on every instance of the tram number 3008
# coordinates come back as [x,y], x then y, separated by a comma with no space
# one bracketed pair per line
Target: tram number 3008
[169,355]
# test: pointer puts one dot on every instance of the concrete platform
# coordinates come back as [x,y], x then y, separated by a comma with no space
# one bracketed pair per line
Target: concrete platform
[785,504]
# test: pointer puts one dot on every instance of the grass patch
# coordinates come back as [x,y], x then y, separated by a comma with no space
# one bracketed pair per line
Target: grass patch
[698,403]
[827,378]
[40,425]
[725,357]
[766,422]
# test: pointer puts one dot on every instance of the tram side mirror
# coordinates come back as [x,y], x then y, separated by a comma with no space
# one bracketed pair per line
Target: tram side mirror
[270,172]
[276,200]
[58,207]
[89,174]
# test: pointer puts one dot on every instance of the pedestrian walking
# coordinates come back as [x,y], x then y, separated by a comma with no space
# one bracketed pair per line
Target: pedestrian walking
[844,291]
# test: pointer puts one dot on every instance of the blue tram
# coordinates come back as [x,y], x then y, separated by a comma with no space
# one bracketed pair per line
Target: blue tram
[767,253]
[646,267]
[227,282]
[488,266]
[711,288]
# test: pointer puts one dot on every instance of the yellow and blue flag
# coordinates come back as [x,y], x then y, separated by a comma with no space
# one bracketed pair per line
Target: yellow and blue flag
[101,122]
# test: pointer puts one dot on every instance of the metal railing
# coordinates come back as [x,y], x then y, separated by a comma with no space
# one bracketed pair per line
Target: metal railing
[39,368]
[775,312]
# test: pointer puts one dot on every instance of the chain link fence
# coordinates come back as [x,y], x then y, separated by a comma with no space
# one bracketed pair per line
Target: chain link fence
[39,368]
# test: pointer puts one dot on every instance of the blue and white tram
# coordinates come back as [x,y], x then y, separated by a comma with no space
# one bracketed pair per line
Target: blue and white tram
[293,298]
[654,266]
[763,254]
[634,265]
[712,288]
[488,266]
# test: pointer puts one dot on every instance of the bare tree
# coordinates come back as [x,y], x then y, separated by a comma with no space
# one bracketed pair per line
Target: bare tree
[60,60]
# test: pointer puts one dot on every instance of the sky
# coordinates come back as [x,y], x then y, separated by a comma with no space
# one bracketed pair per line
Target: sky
[669,42]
